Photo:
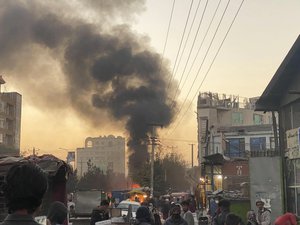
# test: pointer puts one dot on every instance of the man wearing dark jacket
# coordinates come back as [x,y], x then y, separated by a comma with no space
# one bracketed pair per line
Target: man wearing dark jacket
[100,213]
[175,217]
[224,207]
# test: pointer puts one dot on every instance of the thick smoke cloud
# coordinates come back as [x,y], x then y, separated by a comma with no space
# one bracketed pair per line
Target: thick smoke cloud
[104,69]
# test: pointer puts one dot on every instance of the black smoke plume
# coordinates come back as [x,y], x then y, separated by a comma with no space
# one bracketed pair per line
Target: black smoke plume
[105,67]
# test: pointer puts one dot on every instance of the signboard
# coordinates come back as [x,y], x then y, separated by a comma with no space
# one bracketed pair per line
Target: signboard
[293,147]
[292,138]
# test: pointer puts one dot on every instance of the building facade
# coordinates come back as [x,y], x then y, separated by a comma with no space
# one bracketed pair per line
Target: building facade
[229,125]
[10,122]
[282,95]
[229,133]
[106,153]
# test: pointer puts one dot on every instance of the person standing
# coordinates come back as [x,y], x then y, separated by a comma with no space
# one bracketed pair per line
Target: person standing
[175,217]
[251,218]
[232,219]
[24,187]
[100,213]
[143,216]
[224,207]
[286,219]
[263,216]
[186,213]
[57,213]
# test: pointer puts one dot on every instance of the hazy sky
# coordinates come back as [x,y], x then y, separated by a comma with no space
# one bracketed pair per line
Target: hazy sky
[261,36]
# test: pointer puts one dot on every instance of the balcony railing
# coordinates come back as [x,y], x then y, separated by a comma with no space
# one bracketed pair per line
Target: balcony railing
[253,153]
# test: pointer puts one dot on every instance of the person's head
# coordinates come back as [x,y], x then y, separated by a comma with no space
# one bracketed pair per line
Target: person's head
[145,203]
[143,214]
[175,211]
[232,219]
[260,204]
[185,205]
[251,215]
[224,205]
[24,187]
[286,219]
[57,213]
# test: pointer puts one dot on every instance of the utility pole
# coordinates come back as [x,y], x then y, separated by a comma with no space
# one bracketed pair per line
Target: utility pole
[153,138]
[81,168]
[192,145]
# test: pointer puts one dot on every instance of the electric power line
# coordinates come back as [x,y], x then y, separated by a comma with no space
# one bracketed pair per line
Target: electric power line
[183,34]
[167,36]
[190,30]
[191,50]
[197,74]
[200,47]
[211,62]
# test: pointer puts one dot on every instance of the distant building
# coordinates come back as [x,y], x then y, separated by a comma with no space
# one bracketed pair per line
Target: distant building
[10,122]
[106,153]
[229,132]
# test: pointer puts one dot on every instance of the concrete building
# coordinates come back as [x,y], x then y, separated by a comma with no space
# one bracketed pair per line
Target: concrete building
[229,133]
[229,125]
[10,122]
[106,153]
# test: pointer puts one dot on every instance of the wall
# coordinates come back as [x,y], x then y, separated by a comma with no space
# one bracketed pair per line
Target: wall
[266,183]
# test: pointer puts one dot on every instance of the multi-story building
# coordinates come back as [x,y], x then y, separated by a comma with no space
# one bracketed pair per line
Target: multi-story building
[106,153]
[231,127]
[10,122]
[229,132]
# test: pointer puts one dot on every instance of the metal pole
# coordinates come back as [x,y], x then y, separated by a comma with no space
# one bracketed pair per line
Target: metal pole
[152,163]
[153,125]
[192,155]
[192,150]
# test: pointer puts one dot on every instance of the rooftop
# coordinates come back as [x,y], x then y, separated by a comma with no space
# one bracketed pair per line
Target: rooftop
[271,98]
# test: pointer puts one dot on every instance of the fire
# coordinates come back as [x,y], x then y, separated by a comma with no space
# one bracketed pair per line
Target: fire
[135,186]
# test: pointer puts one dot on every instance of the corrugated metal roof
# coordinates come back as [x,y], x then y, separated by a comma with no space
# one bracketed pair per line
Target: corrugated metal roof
[288,69]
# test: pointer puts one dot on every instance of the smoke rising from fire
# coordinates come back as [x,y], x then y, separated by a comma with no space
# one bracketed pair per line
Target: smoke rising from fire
[96,66]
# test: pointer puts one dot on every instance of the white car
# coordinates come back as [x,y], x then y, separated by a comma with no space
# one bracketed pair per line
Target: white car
[124,205]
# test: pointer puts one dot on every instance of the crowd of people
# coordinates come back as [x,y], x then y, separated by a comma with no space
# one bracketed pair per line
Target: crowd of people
[25,185]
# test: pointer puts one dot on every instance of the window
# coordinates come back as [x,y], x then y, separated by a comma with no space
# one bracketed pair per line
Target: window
[293,180]
[257,119]
[1,138]
[237,118]
[258,144]
[235,147]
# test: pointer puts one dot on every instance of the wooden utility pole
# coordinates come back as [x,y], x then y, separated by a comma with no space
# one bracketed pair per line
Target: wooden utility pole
[192,150]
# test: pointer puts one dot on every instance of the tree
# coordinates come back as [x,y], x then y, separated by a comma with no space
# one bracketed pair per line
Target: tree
[94,178]
[175,168]
[169,172]
[72,182]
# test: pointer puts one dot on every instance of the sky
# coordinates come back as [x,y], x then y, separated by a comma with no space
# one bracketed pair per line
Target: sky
[258,41]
